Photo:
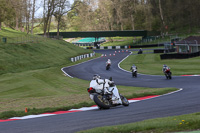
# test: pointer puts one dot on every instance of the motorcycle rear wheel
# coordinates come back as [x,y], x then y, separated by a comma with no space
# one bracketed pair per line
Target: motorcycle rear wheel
[102,103]
[107,67]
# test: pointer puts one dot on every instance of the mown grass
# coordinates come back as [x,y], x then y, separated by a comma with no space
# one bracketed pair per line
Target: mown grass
[31,56]
[152,64]
[160,125]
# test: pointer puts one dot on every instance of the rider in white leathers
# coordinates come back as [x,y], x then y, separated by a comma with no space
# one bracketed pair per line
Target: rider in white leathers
[133,67]
[98,84]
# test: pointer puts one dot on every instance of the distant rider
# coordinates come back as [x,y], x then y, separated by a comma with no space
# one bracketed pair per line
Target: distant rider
[140,51]
[98,84]
[165,67]
[133,67]
[108,62]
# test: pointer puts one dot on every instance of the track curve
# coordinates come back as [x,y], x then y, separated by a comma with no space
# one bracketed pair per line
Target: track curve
[184,102]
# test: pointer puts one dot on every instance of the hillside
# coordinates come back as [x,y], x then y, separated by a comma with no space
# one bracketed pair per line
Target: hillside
[17,57]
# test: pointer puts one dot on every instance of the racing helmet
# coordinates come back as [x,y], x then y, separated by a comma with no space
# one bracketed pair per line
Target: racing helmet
[96,76]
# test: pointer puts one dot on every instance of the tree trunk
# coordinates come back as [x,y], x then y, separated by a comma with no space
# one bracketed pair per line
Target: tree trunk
[33,14]
[49,25]
[132,22]
[161,14]
[17,22]
[122,26]
[58,27]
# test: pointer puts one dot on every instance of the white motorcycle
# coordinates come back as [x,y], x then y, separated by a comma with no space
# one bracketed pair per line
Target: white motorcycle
[103,97]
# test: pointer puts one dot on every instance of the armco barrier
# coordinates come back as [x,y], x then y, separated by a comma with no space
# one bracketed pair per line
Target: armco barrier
[74,59]
[179,55]
[126,47]
[159,50]
[164,50]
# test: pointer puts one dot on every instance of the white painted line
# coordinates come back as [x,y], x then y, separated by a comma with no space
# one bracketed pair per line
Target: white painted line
[165,94]
[85,108]
[32,116]
[133,101]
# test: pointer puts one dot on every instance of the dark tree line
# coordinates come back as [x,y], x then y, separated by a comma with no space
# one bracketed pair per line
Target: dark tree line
[162,15]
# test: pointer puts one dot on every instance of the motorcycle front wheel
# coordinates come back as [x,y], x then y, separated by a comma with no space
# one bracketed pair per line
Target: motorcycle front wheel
[101,102]
[125,102]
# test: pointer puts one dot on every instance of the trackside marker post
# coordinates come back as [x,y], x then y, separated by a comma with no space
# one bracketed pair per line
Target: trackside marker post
[26,110]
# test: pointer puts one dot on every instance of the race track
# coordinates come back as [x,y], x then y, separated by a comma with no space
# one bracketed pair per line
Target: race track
[182,102]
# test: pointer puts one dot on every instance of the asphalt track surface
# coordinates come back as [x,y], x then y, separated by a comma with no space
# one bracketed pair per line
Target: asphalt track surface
[182,102]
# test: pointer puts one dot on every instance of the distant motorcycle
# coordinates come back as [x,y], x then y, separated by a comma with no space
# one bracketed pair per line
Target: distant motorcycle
[104,100]
[168,74]
[107,66]
[134,72]
[140,51]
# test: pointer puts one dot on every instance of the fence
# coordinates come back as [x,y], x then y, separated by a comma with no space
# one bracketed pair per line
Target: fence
[80,57]
[126,47]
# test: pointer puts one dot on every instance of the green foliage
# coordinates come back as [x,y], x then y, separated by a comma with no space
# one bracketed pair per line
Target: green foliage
[6,11]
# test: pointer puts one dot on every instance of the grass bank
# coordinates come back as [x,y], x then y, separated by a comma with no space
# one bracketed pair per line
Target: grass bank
[152,64]
[188,122]
[31,56]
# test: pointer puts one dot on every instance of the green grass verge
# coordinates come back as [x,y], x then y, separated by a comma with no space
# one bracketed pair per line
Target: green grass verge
[160,125]
[152,64]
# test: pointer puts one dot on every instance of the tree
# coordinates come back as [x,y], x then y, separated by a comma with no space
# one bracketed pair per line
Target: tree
[6,11]
[49,7]
[61,9]
[33,14]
